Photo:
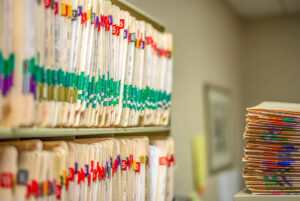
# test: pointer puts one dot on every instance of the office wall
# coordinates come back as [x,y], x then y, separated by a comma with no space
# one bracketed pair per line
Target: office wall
[271,60]
[206,49]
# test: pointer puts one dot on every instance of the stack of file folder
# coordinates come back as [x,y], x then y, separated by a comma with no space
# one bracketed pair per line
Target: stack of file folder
[272,149]
[81,63]
[119,169]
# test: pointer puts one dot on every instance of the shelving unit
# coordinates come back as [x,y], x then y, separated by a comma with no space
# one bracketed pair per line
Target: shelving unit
[75,133]
[245,195]
[44,160]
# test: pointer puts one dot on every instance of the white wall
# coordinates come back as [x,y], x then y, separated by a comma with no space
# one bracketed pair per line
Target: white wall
[207,48]
[271,60]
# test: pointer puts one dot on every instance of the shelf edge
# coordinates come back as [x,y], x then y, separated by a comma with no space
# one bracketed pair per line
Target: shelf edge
[13,133]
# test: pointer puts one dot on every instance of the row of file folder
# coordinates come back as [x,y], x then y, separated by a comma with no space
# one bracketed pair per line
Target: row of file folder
[112,169]
[81,63]
[272,149]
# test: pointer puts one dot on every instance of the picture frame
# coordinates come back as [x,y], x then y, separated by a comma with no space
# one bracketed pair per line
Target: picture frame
[218,121]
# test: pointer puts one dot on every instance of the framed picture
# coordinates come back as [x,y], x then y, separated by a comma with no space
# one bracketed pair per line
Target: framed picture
[218,126]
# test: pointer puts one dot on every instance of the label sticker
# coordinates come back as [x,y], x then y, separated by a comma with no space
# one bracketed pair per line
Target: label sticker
[122,23]
[22,177]
[70,11]
[110,20]
[93,18]
[74,15]
[125,34]
[71,174]
[107,23]
[148,40]
[87,170]
[63,9]
[47,3]
[81,176]
[83,18]
[58,191]
[114,29]
[130,160]
[132,37]
[32,189]
[89,14]
[124,164]
[76,167]
[97,24]
[163,160]
[6,180]
[134,165]
[142,44]
[64,177]
[56,8]
[79,11]
[51,186]
[103,172]
[138,167]
[147,161]
[171,160]
[40,189]
[95,174]
[142,159]
[52,4]
[119,160]
[45,188]
[89,179]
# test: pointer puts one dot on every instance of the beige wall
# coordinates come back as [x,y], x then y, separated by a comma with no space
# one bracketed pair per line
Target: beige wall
[207,42]
[256,61]
[271,60]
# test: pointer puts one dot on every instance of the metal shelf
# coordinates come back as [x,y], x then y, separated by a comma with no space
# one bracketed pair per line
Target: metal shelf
[139,14]
[14,133]
[245,195]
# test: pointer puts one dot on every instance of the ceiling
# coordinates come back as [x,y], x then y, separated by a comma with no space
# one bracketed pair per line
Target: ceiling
[253,9]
